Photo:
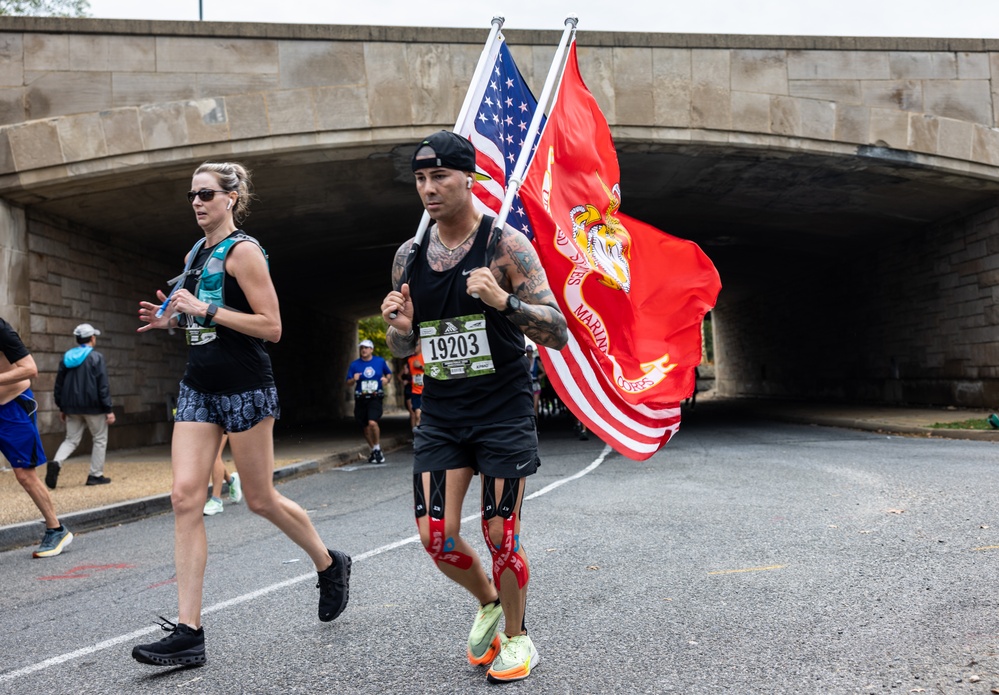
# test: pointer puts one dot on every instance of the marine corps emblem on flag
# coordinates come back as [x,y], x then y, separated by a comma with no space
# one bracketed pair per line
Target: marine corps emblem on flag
[604,240]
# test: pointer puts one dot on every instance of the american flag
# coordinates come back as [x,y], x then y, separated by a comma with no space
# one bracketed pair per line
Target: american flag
[497,127]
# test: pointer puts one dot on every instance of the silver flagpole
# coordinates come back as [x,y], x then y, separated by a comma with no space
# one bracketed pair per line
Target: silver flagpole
[517,178]
[476,76]
[480,68]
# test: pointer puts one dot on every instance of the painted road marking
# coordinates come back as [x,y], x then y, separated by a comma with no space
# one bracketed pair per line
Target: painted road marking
[165,582]
[311,576]
[751,569]
[82,571]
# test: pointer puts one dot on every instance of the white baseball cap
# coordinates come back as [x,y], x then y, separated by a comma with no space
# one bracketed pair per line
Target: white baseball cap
[85,330]
[367,343]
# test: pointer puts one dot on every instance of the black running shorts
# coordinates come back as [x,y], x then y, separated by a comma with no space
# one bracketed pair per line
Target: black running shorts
[367,409]
[507,449]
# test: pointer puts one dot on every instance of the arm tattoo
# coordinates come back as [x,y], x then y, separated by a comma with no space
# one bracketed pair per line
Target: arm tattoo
[399,343]
[520,272]
[399,265]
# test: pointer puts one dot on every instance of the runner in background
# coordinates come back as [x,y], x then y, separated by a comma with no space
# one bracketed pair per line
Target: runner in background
[414,402]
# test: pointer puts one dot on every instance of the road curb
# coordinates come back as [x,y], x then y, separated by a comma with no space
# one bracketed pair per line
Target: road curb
[30,532]
[886,428]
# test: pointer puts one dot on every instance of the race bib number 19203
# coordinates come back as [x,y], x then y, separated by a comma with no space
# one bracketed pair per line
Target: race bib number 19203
[456,348]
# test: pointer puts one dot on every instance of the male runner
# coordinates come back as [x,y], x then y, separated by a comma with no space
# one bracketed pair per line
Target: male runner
[470,303]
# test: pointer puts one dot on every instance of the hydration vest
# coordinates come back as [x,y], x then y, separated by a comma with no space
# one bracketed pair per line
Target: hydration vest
[211,276]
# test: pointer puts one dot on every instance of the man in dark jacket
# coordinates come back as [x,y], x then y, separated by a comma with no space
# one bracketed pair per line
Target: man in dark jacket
[84,400]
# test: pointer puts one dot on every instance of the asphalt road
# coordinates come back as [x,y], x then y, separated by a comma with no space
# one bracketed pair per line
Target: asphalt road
[746,557]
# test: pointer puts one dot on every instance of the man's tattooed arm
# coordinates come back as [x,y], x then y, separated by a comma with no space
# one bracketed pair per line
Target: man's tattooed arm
[518,270]
[399,342]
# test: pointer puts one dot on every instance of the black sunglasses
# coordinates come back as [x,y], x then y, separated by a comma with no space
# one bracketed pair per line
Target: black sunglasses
[205,194]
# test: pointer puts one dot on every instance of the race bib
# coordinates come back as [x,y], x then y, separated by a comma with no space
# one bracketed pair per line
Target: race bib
[369,387]
[456,348]
[417,380]
[200,336]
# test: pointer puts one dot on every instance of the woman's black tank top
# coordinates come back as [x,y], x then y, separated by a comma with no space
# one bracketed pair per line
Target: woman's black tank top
[234,362]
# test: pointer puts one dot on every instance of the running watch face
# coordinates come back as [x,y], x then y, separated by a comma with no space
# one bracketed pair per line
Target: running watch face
[512,305]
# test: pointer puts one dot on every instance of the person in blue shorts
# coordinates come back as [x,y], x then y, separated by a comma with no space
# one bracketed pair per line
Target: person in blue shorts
[20,442]
[368,374]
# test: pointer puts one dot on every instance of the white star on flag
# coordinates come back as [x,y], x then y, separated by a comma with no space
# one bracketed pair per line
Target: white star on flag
[491,127]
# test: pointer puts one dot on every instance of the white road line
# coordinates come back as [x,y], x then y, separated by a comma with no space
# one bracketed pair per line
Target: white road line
[548,488]
[114,641]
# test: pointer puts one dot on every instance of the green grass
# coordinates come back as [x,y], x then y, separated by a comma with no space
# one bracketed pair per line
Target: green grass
[974,424]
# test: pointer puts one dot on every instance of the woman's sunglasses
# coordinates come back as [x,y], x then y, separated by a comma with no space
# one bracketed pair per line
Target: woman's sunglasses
[205,194]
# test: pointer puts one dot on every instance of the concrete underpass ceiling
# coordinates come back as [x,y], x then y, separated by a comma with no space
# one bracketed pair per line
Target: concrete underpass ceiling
[332,225]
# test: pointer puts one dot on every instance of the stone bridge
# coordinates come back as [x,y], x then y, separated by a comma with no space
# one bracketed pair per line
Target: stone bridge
[846,189]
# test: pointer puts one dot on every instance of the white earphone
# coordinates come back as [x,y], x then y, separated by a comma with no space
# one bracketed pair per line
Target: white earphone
[229,206]
[469,185]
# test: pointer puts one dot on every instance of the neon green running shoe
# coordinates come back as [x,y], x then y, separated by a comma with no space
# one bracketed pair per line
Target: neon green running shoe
[235,488]
[515,661]
[483,642]
[213,506]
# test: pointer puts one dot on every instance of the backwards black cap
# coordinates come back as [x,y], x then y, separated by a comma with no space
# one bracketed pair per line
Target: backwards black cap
[448,150]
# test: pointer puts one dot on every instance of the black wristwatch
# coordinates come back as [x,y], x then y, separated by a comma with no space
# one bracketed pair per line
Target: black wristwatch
[210,312]
[512,304]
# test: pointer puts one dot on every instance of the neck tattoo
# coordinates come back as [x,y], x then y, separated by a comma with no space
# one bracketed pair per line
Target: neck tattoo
[451,249]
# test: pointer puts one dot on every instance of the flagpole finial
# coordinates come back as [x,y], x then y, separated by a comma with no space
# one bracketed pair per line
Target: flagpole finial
[498,18]
[573,20]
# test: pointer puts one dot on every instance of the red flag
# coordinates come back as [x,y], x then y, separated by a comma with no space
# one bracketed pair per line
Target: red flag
[634,297]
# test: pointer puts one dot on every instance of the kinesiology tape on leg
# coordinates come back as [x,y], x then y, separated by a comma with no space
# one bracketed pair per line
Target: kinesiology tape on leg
[505,555]
[440,547]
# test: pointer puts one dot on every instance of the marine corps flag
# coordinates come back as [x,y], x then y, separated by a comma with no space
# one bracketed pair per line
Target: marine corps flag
[634,297]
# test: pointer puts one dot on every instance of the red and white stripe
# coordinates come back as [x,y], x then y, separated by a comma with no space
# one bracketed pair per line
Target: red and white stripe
[636,431]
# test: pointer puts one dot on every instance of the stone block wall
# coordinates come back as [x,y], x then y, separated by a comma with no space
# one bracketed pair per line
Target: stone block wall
[939,103]
[78,277]
[80,104]
[15,290]
[79,97]
[912,321]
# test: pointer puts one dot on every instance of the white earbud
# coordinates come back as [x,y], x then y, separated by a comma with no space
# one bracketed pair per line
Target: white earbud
[229,206]
[469,185]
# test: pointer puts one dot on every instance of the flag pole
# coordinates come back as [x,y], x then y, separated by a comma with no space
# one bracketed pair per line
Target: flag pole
[480,68]
[497,24]
[517,177]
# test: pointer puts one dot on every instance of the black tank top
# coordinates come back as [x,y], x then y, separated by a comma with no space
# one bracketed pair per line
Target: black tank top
[234,362]
[478,400]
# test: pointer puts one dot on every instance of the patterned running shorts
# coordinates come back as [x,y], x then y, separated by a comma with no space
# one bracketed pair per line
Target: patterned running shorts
[234,412]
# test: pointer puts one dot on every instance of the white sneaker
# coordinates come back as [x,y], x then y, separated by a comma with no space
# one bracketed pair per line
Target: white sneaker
[235,488]
[213,506]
